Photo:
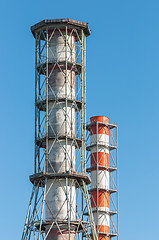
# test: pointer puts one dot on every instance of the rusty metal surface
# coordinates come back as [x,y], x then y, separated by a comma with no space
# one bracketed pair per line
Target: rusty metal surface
[72,175]
[53,22]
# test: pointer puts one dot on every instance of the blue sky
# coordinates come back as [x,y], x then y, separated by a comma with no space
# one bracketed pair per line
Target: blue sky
[122,83]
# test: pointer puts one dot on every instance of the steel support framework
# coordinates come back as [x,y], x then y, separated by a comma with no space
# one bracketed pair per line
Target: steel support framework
[37,226]
[113,174]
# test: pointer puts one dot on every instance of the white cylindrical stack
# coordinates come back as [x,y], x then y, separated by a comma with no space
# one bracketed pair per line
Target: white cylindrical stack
[99,133]
[57,50]
[61,196]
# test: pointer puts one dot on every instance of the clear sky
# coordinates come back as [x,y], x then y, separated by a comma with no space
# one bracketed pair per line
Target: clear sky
[122,83]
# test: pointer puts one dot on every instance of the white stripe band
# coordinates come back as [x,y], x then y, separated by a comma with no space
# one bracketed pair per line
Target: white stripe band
[100,149]
[103,179]
[103,218]
[101,138]
[104,209]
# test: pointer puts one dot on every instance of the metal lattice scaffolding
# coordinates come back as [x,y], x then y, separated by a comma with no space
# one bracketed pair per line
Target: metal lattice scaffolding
[102,164]
[60,179]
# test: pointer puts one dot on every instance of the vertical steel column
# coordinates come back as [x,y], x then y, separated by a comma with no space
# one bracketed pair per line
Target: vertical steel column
[97,173]
[82,111]
[117,183]
[38,100]
[47,98]
[35,152]
[84,70]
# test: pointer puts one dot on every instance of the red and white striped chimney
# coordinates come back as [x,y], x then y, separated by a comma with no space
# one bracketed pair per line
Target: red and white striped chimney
[99,137]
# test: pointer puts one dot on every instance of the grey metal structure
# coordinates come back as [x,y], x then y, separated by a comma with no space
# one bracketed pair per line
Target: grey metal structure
[112,182]
[60,179]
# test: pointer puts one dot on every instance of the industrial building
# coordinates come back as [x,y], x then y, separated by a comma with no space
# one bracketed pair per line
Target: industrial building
[75,179]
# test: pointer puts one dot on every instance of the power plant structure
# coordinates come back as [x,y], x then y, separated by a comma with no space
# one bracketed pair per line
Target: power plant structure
[75,180]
